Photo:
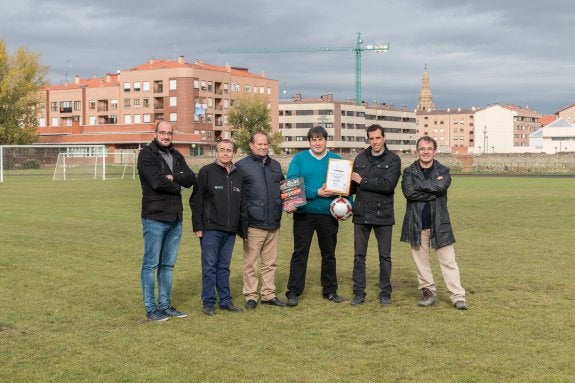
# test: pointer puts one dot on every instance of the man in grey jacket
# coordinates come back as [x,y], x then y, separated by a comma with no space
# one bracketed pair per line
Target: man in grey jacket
[426,223]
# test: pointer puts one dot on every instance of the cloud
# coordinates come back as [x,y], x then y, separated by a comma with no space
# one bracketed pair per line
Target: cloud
[477,53]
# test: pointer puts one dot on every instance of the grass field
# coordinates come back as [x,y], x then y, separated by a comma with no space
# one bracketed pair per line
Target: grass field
[71,311]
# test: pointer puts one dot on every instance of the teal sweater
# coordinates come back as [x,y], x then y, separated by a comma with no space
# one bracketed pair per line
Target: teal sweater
[313,171]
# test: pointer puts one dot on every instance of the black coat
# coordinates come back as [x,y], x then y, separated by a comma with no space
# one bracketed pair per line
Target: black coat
[417,190]
[262,205]
[216,199]
[373,204]
[161,198]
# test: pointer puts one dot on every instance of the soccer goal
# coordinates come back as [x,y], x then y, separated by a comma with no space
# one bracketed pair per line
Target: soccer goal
[120,164]
[67,162]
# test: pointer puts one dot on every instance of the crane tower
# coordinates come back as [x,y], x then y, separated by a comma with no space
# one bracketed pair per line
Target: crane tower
[358,49]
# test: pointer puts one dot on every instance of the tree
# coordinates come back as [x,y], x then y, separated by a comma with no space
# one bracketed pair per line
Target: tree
[21,77]
[248,115]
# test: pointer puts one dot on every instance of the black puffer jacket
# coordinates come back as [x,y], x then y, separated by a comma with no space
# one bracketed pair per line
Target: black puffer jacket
[417,190]
[161,198]
[373,203]
[262,204]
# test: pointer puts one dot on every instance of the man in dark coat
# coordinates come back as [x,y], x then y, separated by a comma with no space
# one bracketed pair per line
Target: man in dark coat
[163,174]
[426,223]
[376,171]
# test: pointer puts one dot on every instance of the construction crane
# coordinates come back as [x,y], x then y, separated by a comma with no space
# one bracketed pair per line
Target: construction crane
[357,49]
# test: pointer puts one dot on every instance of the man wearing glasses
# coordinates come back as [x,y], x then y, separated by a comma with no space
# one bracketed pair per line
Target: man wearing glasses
[426,223]
[163,175]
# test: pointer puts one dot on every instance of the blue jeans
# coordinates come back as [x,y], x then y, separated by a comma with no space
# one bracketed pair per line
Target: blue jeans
[217,248]
[161,243]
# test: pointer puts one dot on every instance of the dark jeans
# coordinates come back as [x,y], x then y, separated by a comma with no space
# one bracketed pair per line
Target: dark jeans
[217,248]
[304,225]
[361,238]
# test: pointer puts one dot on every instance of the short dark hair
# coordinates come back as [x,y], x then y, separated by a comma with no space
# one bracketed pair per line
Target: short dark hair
[426,139]
[254,134]
[317,131]
[373,128]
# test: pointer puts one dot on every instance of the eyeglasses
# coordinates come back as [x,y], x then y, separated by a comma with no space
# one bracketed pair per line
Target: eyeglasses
[164,133]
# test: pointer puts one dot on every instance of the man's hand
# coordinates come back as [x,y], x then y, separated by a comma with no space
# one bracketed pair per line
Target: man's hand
[199,234]
[170,177]
[356,177]
[324,193]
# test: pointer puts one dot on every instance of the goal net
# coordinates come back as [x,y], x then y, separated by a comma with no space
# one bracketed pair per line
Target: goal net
[63,162]
[107,166]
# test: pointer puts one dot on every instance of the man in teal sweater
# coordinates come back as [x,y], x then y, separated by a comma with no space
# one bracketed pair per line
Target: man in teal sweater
[312,217]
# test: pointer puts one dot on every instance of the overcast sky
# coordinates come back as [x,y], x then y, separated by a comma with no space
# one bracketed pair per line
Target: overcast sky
[477,52]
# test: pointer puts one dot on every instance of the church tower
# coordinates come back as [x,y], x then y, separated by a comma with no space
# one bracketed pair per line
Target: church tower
[425,103]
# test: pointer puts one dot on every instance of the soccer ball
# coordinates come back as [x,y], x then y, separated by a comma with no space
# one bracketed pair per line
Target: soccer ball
[340,208]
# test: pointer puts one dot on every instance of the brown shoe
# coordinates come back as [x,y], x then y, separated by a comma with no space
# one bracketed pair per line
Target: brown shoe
[427,298]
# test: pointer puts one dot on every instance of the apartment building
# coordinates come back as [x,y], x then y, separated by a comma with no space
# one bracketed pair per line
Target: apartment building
[505,129]
[452,129]
[345,123]
[121,109]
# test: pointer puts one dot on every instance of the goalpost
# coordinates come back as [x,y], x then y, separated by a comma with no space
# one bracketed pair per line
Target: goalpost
[67,162]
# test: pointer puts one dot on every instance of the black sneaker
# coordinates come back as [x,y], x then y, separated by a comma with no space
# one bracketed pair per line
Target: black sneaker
[230,307]
[333,297]
[173,313]
[274,302]
[292,300]
[157,316]
[209,310]
[384,299]
[358,299]
[251,304]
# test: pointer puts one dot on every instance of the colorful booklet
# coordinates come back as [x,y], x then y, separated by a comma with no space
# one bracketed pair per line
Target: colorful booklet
[292,193]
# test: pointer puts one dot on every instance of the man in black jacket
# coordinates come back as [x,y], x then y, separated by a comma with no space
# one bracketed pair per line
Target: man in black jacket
[262,212]
[426,223]
[376,171]
[163,174]
[216,205]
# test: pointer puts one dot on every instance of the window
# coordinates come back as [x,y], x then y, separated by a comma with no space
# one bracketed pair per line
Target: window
[210,86]
[65,106]
[137,86]
[146,102]
[173,117]
[203,84]
[113,104]
[137,103]
[127,86]
[77,105]
[210,102]
[235,87]
[146,86]
[226,104]
[126,103]
[137,118]
[54,106]
[247,88]
[262,90]
[226,88]
[269,90]
[54,121]
[196,84]
[173,101]
[158,86]
[147,118]
[92,104]
[173,84]
[127,118]
[92,120]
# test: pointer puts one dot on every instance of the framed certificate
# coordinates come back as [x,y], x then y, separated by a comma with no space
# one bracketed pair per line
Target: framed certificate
[338,178]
